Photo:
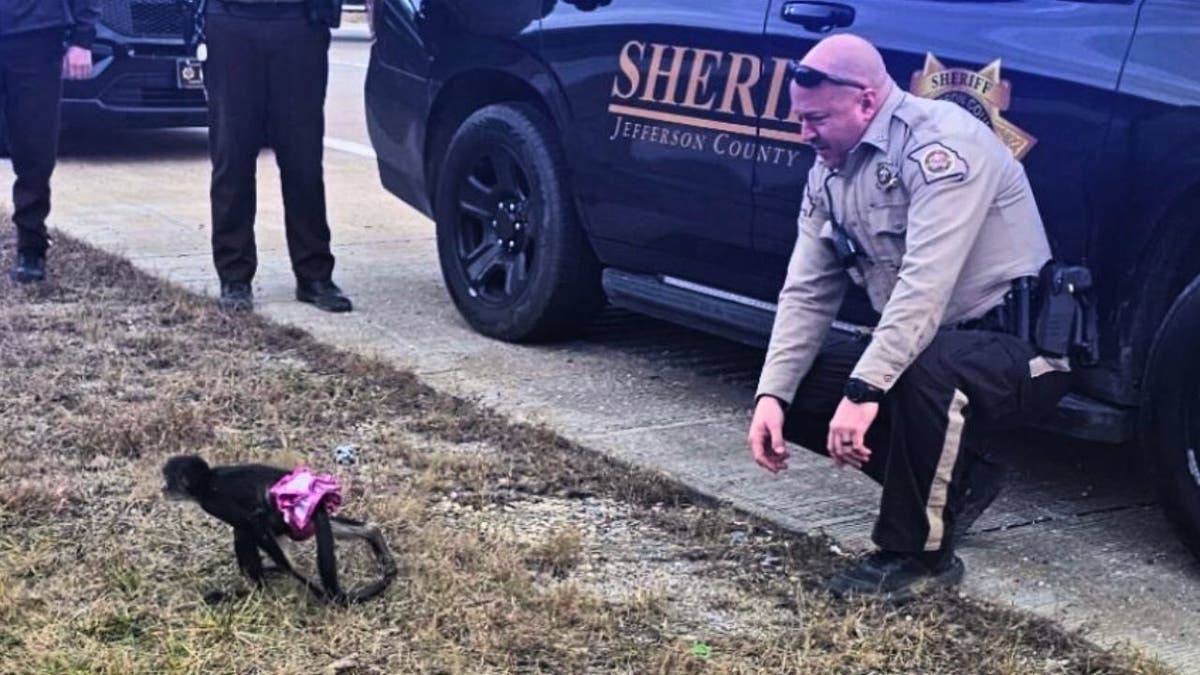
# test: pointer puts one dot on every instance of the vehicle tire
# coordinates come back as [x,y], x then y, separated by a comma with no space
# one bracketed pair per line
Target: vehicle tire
[514,256]
[1170,417]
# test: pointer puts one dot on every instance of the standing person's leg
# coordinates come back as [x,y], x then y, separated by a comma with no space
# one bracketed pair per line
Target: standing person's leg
[298,80]
[236,80]
[32,66]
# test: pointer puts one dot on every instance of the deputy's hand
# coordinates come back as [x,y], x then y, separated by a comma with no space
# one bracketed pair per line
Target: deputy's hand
[848,432]
[766,435]
[77,63]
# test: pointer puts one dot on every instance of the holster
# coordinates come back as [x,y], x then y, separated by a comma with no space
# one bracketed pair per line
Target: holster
[1053,311]
[1066,321]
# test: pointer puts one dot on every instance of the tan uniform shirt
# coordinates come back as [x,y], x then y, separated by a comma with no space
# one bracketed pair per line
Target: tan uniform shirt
[946,219]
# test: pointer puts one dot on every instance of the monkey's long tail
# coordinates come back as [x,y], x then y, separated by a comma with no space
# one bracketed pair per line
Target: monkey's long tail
[346,528]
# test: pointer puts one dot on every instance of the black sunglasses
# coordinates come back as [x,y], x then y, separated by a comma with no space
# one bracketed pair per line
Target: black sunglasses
[807,77]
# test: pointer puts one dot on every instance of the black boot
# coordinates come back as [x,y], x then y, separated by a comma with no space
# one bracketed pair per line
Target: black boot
[897,577]
[30,268]
[324,294]
[236,296]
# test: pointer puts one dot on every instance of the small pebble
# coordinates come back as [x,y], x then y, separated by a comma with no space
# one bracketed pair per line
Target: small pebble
[346,454]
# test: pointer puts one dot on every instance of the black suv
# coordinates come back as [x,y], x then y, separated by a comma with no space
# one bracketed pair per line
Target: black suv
[143,76]
[639,152]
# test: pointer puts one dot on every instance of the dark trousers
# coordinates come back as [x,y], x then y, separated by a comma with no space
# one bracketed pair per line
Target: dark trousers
[30,93]
[266,82]
[965,387]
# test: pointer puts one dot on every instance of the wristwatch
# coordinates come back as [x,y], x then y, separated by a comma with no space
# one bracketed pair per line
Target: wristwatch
[858,391]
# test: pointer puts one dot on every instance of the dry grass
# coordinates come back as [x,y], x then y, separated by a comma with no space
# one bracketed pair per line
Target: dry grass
[519,553]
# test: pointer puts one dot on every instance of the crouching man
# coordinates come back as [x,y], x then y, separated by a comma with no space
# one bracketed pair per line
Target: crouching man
[924,207]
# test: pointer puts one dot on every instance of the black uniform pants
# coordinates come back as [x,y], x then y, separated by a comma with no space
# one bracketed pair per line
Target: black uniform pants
[964,387]
[266,81]
[30,93]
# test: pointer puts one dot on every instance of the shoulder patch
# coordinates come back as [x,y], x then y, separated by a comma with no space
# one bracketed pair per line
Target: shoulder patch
[939,162]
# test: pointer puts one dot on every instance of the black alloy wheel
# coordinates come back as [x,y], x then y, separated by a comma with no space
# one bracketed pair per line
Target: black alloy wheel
[514,256]
[496,236]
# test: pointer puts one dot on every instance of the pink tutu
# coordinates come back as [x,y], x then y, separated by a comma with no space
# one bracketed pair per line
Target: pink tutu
[299,494]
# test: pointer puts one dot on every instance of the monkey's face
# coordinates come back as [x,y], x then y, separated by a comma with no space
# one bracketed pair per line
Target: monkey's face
[175,493]
[183,477]
[176,488]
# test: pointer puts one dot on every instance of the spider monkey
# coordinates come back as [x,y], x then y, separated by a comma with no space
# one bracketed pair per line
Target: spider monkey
[238,495]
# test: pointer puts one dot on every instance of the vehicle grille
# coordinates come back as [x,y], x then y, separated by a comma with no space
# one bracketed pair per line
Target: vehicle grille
[144,18]
[148,91]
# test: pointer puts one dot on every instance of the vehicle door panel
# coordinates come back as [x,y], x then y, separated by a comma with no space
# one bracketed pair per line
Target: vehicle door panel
[662,146]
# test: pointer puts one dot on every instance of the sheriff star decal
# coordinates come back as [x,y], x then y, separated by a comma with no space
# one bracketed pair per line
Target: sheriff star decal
[938,162]
[983,93]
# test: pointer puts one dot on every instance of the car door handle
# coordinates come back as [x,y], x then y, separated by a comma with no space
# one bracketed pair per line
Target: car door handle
[818,17]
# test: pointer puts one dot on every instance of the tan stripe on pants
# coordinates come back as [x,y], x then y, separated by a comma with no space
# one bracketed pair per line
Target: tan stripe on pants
[939,488]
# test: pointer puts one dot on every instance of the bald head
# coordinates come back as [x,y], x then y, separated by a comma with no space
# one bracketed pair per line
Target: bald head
[835,113]
[852,58]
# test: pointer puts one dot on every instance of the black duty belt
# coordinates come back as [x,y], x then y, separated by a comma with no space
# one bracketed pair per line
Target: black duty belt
[1015,315]
[1054,311]
[995,319]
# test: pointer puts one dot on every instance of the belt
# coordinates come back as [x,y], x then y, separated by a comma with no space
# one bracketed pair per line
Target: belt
[1013,316]
[995,319]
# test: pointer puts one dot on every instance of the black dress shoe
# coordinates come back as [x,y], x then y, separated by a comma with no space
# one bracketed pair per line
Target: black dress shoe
[236,296]
[30,268]
[895,577]
[985,479]
[324,294]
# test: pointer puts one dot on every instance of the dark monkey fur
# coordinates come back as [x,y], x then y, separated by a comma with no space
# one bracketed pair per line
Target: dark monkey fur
[238,495]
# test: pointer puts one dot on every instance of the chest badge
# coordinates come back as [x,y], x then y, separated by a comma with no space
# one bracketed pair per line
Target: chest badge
[886,176]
